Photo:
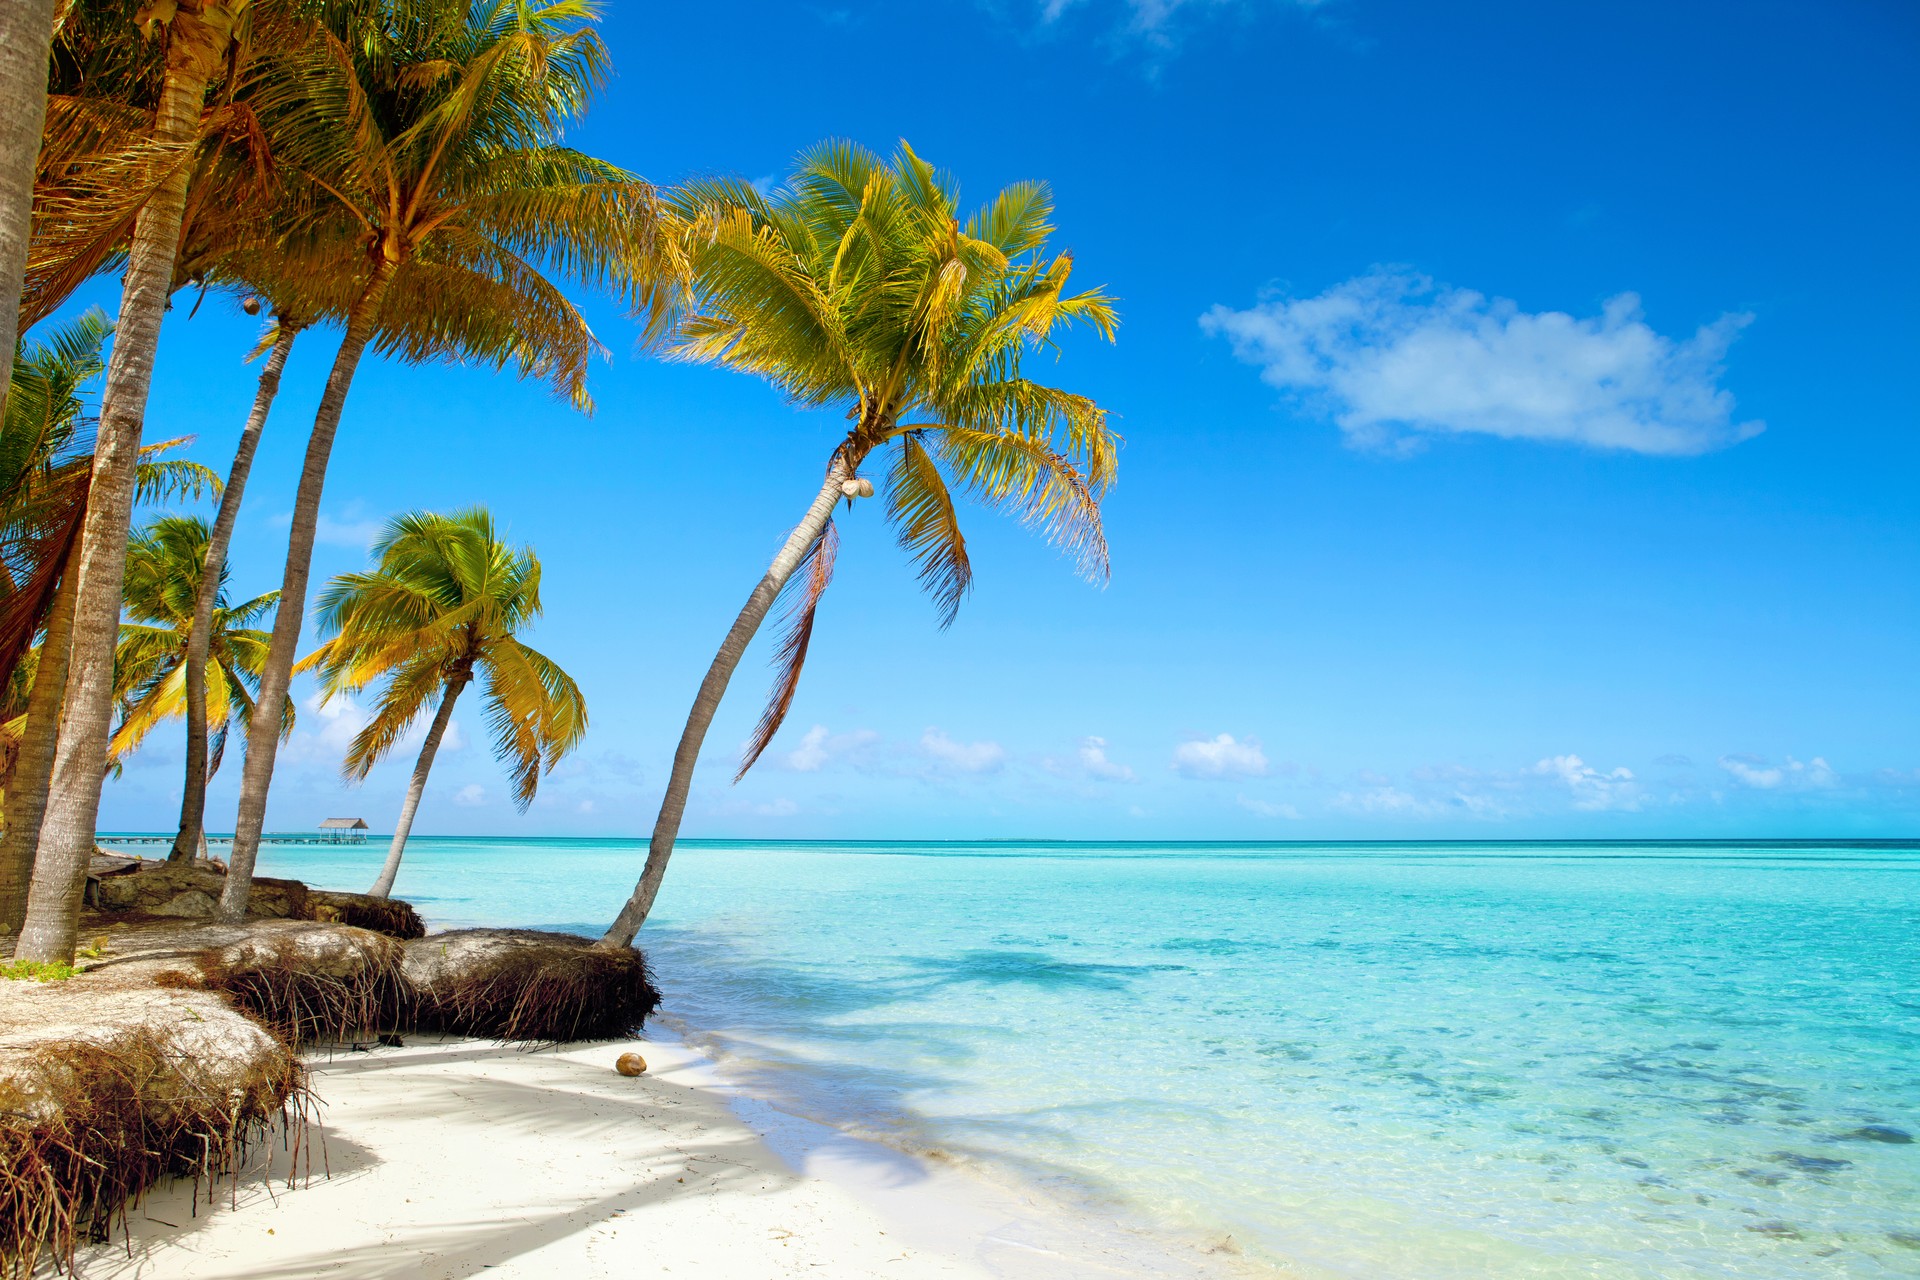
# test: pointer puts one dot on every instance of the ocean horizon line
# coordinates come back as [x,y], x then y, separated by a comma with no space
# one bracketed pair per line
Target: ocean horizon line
[890,842]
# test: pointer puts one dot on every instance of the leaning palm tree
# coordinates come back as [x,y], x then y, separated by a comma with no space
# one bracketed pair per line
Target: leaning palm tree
[444,606]
[26,29]
[196,35]
[856,287]
[164,563]
[437,132]
[46,442]
[99,165]
[195,685]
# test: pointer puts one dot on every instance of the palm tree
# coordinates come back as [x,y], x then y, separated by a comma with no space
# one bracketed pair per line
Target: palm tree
[445,605]
[164,564]
[193,668]
[196,34]
[857,288]
[26,29]
[98,167]
[45,468]
[436,132]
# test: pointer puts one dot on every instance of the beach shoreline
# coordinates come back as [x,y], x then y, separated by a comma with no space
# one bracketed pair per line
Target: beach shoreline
[449,1157]
[965,1205]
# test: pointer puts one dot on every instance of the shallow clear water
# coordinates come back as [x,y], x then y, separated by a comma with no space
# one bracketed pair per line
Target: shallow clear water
[1424,1061]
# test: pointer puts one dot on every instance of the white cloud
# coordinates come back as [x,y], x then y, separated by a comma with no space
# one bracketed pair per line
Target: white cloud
[1751,771]
[585,806]
[812,751]
[471,795]
[325,730]
[818,748]
[1592,789]
[1391,355]
[1379,800]
[350,527]
[1266,808]
[1093,758]
[1220,757]
[963,757]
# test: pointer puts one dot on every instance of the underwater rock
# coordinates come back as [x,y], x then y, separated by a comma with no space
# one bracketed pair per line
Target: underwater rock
[1809,1164]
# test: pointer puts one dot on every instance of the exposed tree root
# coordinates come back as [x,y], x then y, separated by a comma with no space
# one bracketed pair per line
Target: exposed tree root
[518,984]
[174,1050]
[87,1124]
[391,916]
[313,982]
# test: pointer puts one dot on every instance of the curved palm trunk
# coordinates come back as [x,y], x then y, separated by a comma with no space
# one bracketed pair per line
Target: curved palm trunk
[73,800]
[193,795]
[26,31]
[33,769]
[673,806]
[421,767]
[263,728]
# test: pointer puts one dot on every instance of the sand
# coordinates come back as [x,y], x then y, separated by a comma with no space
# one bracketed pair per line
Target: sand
[453,1158]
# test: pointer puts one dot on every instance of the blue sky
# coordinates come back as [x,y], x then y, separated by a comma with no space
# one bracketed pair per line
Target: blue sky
[1517,439]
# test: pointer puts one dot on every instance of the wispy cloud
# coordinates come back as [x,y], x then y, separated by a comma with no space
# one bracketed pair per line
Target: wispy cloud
[1592,789]
[1220,757]
[819,747]
[347,526]
[1391,357]
[1154,18]
[962,757]
[324,730]
[935,754]
[1381,799]
[1266,808]
[1091,760]
[472,795]
[1752,771]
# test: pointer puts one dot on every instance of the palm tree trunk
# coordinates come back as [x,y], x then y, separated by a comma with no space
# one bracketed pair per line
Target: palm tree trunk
[673,806]
[26,31]
[263,728]
[421,767]
[33,768]
[193,796]
[73,801]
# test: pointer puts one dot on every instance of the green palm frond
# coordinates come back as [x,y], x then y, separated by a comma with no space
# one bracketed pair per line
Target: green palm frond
[165,561]
[410,687]
[860,284]
[928,527]
[445,603]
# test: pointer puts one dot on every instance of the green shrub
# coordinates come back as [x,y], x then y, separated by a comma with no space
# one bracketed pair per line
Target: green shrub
[38,970]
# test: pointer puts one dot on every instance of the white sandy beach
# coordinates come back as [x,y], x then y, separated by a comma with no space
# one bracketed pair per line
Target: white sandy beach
[450,1158]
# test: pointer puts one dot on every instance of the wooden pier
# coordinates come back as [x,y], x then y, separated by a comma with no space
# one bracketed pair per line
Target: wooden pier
[302,837]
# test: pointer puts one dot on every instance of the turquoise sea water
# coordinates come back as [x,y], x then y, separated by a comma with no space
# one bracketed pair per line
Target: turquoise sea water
[1429,1062]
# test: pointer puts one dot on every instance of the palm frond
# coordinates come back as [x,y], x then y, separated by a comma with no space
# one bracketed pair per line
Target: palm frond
[922,513]
[816,571]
